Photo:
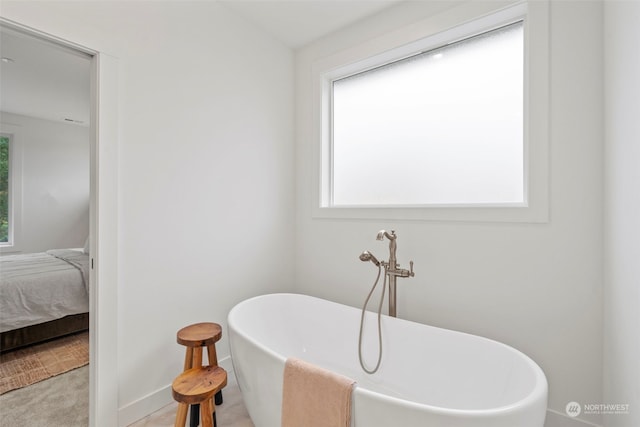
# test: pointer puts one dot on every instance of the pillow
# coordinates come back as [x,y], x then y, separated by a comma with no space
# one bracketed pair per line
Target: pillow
[86,245]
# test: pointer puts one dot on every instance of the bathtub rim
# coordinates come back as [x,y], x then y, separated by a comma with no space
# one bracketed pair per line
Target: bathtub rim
[539,391]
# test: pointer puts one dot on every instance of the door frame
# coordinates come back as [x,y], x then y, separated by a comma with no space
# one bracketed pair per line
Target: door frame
[103,228]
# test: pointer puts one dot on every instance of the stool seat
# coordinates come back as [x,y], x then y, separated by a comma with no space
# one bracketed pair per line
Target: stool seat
[199,334]
[197,386]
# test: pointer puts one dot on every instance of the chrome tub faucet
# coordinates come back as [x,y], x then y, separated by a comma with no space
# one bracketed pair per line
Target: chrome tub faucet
[391,267]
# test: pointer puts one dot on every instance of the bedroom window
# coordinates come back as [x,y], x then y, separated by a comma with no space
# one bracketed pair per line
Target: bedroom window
[10,189]
[4,189]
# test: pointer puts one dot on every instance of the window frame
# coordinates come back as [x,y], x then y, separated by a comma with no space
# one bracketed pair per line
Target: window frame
[453,25]
[15,189]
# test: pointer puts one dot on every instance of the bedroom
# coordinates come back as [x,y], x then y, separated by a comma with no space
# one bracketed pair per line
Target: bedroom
[212,110]
[44,118]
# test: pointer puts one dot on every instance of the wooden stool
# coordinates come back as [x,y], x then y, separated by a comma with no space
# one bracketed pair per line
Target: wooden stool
[194,337]
[197,386]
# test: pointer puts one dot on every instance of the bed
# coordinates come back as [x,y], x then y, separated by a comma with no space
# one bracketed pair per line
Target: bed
[43,296]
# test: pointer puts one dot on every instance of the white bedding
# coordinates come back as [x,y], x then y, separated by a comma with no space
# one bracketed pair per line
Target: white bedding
[39,287]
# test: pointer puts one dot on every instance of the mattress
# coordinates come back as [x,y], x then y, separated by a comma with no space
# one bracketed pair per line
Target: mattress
[44,286]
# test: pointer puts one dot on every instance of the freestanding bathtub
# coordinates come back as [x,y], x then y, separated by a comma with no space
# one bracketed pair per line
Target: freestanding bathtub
[428,376]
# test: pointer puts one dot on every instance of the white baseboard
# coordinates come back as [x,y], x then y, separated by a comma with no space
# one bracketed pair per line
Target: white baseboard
[557,419]
[158,399]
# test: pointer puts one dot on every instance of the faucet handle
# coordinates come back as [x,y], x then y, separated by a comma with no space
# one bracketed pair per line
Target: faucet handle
[404,272]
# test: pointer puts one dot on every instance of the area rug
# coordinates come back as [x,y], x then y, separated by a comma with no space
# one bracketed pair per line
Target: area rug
[23,367]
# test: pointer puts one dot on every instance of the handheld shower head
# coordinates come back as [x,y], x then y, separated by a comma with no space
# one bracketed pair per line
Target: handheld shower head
[367,256]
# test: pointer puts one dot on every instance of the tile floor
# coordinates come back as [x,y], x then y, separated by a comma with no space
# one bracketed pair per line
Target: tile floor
[232,413]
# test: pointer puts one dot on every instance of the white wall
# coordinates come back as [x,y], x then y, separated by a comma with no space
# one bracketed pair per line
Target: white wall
[622,176]
[206,118]
[55,182]
[205,171]
[537,287]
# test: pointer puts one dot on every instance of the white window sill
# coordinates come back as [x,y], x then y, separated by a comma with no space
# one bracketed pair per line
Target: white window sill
[513,213]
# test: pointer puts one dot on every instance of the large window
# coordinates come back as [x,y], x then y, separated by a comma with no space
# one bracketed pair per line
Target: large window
[4,189]
[444,120]
[442,127]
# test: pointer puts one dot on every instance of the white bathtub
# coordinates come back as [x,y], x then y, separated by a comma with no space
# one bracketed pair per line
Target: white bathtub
[428,376]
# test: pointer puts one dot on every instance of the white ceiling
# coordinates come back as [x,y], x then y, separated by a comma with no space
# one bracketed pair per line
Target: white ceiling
[43,80]
[47,81]
[299,22]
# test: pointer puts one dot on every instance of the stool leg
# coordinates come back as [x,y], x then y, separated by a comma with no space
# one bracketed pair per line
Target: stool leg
[207,416]
[213,406]
[196,360]
[181,415]
[213,360]
[194,419]
[197,357]
[211,353]
[188,359]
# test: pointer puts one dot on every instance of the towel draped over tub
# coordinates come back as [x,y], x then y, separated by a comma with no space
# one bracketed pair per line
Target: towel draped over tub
[315,397]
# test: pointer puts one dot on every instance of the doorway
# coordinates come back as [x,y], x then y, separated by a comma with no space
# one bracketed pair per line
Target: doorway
[103,223]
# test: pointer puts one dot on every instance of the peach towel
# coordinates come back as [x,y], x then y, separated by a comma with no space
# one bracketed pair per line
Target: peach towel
[315,397]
